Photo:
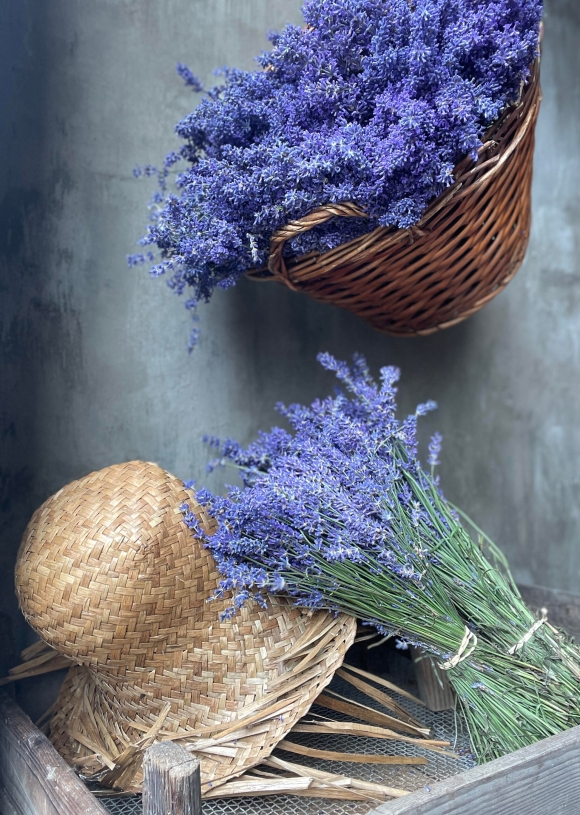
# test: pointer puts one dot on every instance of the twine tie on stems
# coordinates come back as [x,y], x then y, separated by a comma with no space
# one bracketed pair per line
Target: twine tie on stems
[463,652]
[529,634]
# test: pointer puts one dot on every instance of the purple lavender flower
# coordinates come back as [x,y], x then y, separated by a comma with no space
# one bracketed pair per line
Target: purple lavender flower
[371,102]
[335,491]
[339,514]
[435,449]
[189,78]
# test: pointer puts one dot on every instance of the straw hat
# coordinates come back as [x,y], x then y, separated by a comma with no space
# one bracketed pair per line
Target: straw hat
[110,576]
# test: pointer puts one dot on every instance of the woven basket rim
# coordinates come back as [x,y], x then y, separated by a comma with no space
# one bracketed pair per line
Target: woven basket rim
[468,173]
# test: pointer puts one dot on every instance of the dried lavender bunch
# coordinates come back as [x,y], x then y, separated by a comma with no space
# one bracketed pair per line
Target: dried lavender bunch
[372,102]
[341,515]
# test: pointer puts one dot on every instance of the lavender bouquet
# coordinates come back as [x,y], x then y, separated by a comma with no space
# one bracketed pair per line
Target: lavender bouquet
[341,515]
[372,102]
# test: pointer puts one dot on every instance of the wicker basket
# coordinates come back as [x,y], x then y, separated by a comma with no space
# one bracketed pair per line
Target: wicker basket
[464,251]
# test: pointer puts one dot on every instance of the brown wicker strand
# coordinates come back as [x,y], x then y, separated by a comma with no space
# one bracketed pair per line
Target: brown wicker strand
[464,251]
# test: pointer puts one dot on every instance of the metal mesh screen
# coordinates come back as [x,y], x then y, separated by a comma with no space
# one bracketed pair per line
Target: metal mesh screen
[443,725]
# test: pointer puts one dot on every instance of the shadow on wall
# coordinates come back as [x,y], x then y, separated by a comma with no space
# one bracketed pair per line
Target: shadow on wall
[28,323]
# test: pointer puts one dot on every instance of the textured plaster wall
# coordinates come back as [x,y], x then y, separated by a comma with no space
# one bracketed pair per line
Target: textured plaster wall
[94,368]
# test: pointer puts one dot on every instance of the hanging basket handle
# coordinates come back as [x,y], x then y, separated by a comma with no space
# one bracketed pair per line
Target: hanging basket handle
[276,263]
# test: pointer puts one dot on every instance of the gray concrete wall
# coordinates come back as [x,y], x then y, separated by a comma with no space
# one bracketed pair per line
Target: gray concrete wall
[94,368]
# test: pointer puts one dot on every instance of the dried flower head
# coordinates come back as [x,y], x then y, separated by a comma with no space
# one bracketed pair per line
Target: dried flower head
[372,102]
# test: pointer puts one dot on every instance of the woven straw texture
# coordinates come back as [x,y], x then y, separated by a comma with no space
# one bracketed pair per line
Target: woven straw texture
[109,575]
[465,250]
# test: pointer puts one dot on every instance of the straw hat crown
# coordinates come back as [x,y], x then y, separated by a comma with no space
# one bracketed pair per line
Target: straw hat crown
[108,572]
[111,577]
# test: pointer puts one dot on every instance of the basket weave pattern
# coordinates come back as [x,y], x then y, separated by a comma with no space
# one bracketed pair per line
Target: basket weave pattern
[110,576]
[464,251]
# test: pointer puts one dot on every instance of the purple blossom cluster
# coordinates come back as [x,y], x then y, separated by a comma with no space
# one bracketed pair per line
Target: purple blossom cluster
[339,514]
[372,102]
[336,490]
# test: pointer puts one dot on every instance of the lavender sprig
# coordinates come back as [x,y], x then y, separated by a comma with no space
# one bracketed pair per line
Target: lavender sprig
[339,514]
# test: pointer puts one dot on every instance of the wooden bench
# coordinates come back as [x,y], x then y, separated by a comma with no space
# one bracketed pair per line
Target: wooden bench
[542,778]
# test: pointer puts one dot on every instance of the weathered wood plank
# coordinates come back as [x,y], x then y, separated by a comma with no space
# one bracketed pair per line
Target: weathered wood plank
[433,684]
[543,778]
[171,781]
[34,779]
